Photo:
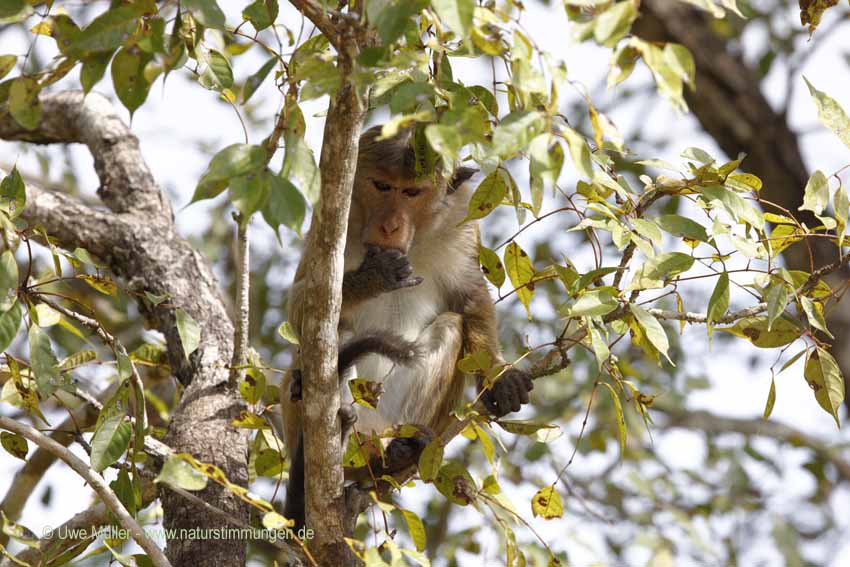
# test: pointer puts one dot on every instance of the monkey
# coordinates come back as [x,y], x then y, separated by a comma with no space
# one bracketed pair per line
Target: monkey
[411,275]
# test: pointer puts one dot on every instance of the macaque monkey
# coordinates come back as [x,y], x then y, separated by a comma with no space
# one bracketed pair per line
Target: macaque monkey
[413,303]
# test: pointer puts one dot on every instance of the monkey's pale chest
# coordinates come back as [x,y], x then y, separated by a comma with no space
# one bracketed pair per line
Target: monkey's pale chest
[407,313]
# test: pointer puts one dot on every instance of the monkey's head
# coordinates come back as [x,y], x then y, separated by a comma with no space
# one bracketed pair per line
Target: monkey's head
[397,198]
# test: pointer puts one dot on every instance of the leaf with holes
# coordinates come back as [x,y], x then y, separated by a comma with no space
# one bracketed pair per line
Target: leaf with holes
[547,504]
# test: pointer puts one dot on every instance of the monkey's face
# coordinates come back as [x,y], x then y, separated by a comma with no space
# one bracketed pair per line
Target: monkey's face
[394,210]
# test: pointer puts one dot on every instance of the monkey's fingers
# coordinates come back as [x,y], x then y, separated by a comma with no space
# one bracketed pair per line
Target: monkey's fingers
[295,386]
[410,282]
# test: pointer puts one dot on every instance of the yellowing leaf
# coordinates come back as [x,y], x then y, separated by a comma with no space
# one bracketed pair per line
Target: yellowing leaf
[831,114]
[520,271]
[824,377]
[547,504]
[783,331]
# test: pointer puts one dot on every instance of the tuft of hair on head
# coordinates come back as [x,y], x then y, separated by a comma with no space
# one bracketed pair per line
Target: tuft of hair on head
[396,157]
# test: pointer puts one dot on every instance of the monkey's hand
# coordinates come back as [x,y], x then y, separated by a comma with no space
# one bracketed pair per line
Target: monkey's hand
[402,453]
[382,270]
[295,386]
[508,393]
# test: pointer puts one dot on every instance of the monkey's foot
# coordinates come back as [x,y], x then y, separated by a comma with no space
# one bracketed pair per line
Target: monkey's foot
[403,452]
[508,393]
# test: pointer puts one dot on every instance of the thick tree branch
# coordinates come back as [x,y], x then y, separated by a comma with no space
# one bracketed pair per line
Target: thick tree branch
[126,183]
[140,243]
[98,484]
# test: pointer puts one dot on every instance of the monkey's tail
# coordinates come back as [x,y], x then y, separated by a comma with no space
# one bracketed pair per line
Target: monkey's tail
[387,345]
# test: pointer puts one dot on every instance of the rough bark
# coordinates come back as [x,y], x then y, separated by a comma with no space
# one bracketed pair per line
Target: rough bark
[326,508]
[730,106]
[138,240]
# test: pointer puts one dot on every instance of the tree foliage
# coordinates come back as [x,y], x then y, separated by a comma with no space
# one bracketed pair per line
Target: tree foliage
[662,246]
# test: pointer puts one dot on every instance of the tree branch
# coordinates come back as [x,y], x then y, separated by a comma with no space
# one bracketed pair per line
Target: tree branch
[716,424]
[126,183]
[97,483]
[140,243]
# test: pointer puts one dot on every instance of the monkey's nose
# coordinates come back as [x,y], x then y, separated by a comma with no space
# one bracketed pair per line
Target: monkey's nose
[390,227]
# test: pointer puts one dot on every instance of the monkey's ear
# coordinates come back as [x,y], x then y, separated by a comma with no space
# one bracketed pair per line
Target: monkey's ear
[461,176]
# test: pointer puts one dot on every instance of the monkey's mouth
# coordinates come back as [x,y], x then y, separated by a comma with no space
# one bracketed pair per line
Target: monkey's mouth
[383,246]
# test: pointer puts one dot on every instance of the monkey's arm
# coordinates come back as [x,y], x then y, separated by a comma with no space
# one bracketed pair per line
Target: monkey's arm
[511,389]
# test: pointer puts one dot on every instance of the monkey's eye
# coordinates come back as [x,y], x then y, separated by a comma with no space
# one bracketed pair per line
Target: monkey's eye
[381,186]
[412,191]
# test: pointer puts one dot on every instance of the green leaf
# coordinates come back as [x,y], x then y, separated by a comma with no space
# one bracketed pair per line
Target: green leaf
[652,328]
[8,273]
[831,114]
[299,166]
[457,14]
[217,75]
[13,194]
[92,70]
[488,195]
[777,299]
[683,227]
[128,77]
[614,23]
[249,193]
[367,393]
[255,80]
[520,271]
[814,313]
[718,304]
[43,361]
[110,441]
[599,345]
[416,528]
[735,205]
[189,331]
[24,105]
[391,18]
[816,195]
[621,418]
[580,152]
[14,444]
[12,11]
[771,400]
[824,377]
[7,63]
[547,504]
[207,12]
[430,460]
[177,472]
[783,331]
[659,269]
[10,322]
[109,30]
[491,265]
[455,483]
[232,161]
[261,13]
[515,132]
[285,205]
[288,333]
[594,303]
